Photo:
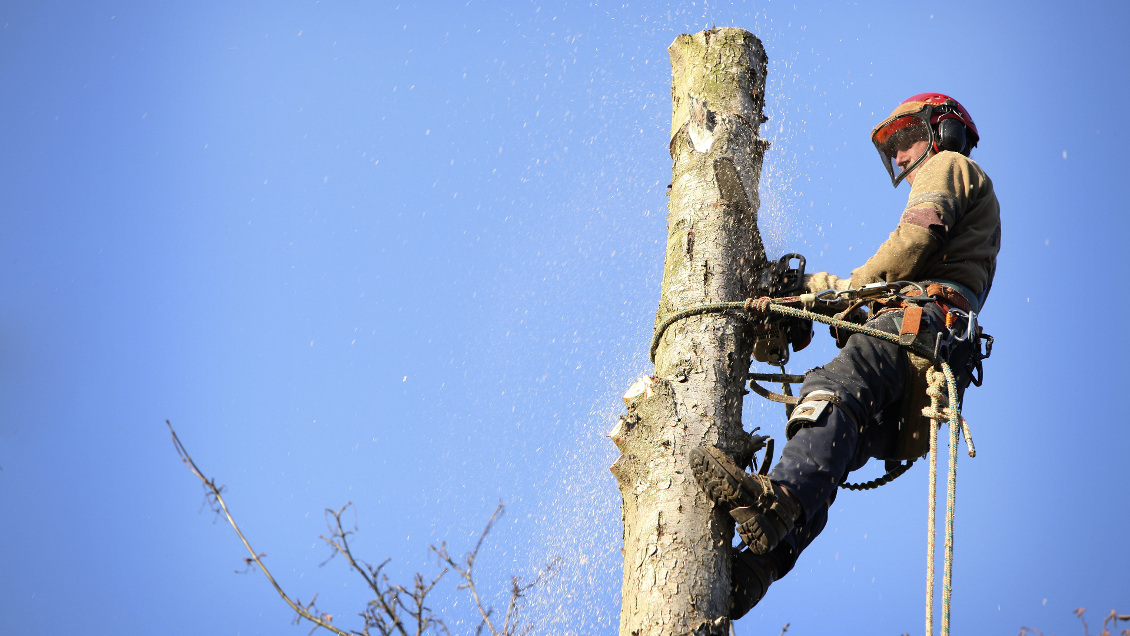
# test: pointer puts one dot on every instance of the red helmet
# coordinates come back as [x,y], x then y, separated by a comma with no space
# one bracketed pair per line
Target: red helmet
[931,117]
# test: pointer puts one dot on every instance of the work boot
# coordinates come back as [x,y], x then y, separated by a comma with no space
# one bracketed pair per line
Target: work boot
[750,577]
[764,512]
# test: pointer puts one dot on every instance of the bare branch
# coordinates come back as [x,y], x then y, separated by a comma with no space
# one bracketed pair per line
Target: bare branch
[1111,620]
[393,608]
[518,590]
[1079,612]
[467,572]
[390,602]
[308,611]
[386,597]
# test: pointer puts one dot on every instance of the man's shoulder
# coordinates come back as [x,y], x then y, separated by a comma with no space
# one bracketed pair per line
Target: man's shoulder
[950,159]
[948,167]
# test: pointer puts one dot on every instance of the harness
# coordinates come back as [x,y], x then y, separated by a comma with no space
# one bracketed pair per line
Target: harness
[933,385]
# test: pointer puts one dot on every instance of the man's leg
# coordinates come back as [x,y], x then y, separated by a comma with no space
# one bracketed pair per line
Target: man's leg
[846,416]
[856,419]
[832,432]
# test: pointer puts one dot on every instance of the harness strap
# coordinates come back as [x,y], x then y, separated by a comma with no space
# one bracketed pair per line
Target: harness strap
[943,293]
[911,321]
[771,395]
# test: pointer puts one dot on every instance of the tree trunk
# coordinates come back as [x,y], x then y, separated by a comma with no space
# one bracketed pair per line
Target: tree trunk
[676,546]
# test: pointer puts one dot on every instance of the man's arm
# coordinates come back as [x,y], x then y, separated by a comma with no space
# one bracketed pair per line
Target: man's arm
[937,202]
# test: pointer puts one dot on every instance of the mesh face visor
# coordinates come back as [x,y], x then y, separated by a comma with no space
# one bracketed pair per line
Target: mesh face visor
[899,135]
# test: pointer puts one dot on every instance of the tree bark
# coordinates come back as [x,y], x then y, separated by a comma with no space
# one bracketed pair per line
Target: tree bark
[676,545]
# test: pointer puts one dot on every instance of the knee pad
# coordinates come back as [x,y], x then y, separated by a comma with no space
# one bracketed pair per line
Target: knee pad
[809,410]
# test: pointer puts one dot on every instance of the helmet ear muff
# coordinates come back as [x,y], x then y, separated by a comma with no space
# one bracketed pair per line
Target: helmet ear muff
[951,136]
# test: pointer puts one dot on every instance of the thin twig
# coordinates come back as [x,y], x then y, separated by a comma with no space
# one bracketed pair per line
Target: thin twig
[1111,620]
[467,572]
[371,575]
[214,493]
[1079,612]
[517,589]
[390,602]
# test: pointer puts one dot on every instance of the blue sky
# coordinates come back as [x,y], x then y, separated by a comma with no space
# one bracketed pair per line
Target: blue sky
[407,255]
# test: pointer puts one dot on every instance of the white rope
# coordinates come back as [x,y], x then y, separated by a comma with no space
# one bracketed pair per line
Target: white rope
[951,414]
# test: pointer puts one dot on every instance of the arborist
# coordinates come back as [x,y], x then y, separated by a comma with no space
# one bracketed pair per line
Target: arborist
[862,404]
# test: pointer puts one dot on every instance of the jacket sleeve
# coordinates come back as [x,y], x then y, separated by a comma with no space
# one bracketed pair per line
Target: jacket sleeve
[934,207]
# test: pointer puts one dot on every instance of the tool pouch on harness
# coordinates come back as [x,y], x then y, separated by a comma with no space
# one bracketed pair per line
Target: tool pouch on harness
[913,440]
[914,428]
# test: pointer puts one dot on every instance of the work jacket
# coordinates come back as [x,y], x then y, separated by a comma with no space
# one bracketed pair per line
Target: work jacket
[949,233]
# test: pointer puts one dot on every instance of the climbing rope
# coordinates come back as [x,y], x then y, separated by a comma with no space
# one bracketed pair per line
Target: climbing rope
[687,313]
[955,426]
[936,412]
[931,520]
[940,381]
[942,385]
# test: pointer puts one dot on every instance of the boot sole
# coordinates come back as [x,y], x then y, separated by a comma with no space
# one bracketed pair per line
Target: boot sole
[720,478]
[729,487]
[759,533]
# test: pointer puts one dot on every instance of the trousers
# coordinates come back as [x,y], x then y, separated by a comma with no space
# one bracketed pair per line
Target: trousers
[870,377]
